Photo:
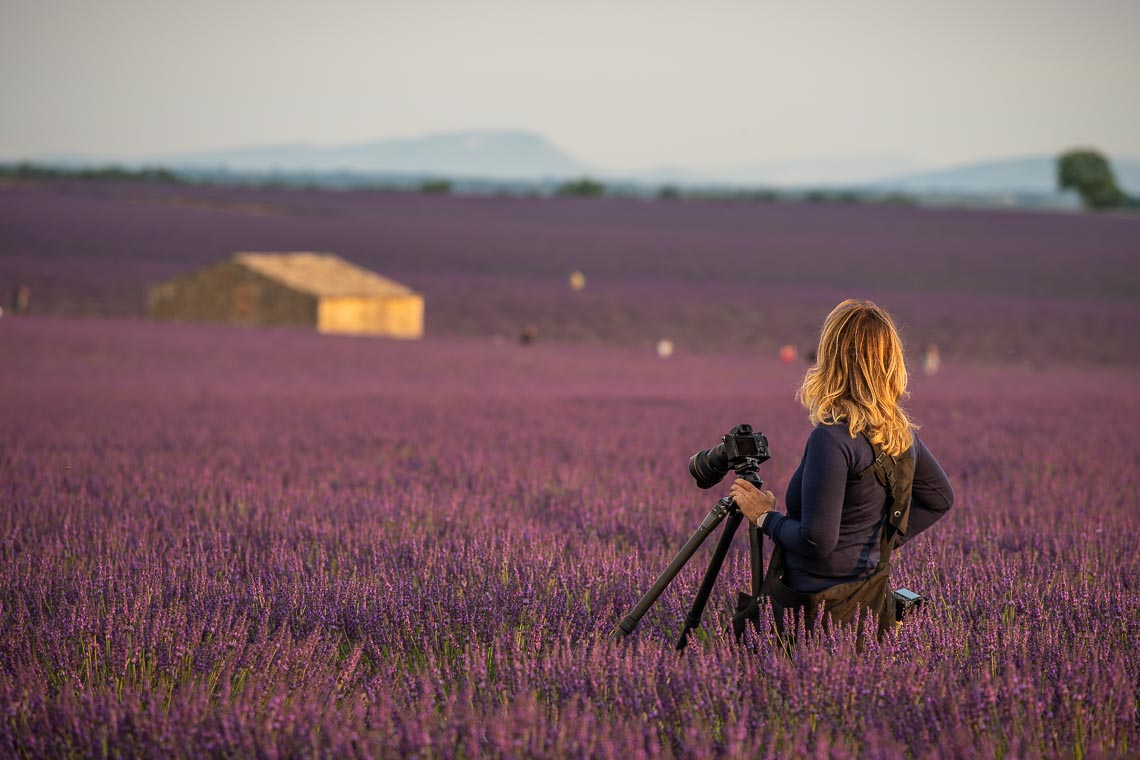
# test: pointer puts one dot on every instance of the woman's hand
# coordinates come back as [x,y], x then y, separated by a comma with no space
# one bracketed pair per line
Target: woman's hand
[753,502]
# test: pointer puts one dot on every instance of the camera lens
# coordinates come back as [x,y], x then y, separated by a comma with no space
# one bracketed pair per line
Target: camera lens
[709,467]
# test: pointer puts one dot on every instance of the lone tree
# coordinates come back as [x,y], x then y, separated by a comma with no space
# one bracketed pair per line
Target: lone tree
[582,188]
[1089,173]
[436,186]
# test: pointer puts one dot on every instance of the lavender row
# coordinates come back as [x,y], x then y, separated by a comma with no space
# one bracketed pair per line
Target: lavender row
[1031,287]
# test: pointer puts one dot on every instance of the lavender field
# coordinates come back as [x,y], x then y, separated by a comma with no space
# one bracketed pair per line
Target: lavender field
[221,541]
[1034,288]
[218,540]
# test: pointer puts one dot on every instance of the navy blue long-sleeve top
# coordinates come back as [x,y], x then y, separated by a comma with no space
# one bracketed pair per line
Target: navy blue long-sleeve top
[831,531]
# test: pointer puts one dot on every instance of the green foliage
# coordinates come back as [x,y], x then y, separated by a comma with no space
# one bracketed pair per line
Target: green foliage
[1089,173]
[582,188]
[111,173]
[833,196]
[436,187]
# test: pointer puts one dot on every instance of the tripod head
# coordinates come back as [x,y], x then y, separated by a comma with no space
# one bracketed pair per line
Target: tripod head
[747,469]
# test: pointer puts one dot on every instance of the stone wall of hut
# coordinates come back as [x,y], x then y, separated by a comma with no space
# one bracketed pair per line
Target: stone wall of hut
[394,316]
[227,292]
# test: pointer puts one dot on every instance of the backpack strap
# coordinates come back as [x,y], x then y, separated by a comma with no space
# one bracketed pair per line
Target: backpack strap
[896,474]
[874,467]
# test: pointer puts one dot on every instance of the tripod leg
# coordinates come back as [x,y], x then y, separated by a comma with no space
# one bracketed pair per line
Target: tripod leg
[748,605]
[756,545]
[712,519]
[694,617]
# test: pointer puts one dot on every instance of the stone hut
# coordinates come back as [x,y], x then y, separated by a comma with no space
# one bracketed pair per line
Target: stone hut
[317,290]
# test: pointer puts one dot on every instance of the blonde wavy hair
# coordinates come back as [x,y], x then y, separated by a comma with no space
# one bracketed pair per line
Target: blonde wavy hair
[860,377]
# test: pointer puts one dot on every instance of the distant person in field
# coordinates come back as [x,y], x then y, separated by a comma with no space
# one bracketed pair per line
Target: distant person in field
[866,483]
[21,300]
[931,359]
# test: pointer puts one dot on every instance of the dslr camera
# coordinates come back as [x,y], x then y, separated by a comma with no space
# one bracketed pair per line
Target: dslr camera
[741,450]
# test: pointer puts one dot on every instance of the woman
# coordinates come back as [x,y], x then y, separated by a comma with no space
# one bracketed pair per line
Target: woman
[830,541]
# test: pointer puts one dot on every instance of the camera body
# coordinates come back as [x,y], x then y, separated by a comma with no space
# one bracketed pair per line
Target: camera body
[741,443]
[741,449]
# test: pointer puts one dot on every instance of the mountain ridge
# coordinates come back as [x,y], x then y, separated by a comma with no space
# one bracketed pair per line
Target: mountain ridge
[518,155]
[483,153]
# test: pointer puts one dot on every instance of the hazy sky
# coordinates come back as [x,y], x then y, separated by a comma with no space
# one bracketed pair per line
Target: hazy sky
[622,85]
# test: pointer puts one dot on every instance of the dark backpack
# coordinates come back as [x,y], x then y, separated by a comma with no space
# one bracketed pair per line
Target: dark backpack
[844,603]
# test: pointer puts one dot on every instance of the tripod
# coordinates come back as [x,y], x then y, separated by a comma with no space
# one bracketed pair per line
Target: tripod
[725,508]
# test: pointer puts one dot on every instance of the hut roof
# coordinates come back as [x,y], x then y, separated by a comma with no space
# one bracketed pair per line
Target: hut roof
[321,274]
